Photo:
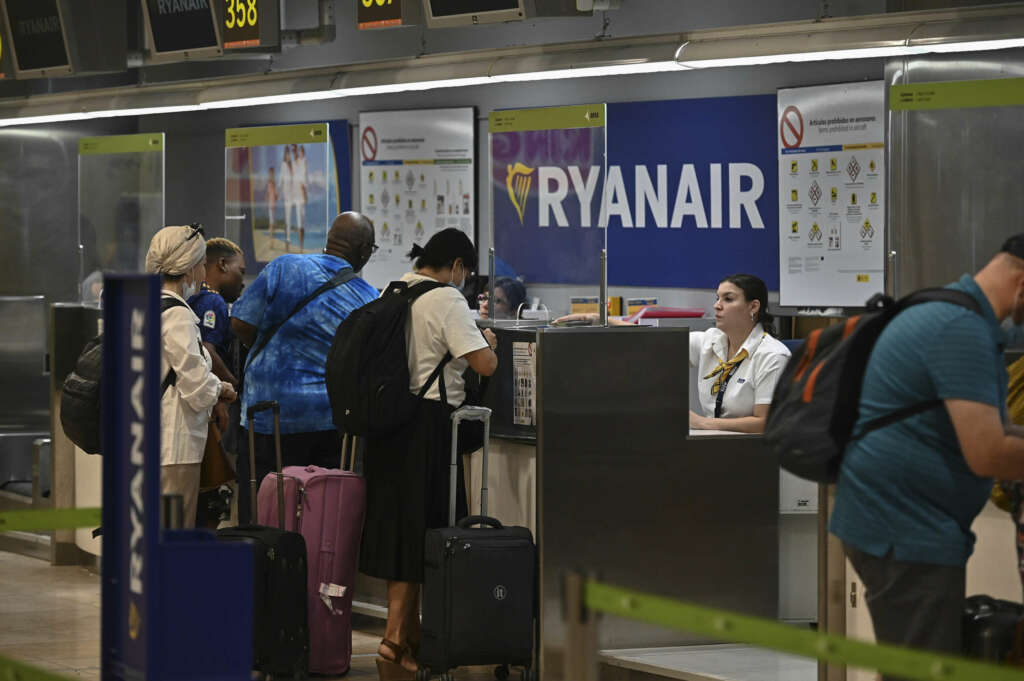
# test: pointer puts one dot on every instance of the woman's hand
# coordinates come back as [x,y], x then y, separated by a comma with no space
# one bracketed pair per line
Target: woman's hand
[491,339]
[699,422]
[227,392]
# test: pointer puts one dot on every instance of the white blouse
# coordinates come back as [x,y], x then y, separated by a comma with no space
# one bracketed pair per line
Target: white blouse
[753,381]
[440,322]
[186,406]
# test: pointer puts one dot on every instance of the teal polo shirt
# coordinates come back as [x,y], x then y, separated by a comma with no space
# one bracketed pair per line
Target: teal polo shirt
[906,488]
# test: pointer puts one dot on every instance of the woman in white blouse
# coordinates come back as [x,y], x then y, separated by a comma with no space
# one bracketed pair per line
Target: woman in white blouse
[739,361]
[179,255]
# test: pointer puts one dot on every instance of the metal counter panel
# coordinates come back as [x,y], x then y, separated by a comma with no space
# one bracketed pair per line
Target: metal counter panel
[624,493]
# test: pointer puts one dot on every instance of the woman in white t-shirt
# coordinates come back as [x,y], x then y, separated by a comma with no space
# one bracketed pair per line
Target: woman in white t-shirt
[739,361]
[407,472]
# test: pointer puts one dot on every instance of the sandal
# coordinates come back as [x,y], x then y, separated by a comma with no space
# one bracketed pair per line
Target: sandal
[392,670]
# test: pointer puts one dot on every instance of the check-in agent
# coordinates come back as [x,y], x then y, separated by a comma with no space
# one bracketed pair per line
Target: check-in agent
[739,361]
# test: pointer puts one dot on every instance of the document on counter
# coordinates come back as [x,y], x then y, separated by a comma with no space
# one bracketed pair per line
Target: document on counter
[524,381]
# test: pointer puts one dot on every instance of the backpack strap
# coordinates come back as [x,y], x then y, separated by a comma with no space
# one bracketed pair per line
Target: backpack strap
[927,295]
[411,293]
[342,276]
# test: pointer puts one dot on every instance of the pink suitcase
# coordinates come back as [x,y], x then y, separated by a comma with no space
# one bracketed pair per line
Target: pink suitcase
[327,506]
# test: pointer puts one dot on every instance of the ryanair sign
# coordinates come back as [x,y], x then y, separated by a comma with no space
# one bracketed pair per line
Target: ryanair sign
[681,192]
[652,195]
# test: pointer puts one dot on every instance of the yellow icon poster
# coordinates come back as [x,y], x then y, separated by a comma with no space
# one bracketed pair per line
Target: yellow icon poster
[814,165]
[795,227]
[834,194]
[794,166]
[794,195]
[853,199]
[874,197]
[833,164]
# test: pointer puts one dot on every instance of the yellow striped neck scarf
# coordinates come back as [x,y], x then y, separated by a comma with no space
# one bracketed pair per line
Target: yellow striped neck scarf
[725,369]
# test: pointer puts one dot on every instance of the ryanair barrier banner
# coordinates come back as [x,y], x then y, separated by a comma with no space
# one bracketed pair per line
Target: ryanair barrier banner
[685,194]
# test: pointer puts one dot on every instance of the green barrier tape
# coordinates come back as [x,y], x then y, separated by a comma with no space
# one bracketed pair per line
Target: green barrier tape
[12,670]
[729,626]
[50,519]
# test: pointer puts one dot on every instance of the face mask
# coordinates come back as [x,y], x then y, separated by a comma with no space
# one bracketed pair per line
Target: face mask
[188,289]
[461,286]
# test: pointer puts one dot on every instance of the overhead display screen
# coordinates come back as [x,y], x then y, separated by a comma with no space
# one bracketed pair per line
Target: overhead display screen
[37,32]
[447,8]
[182,26]
[442,13]
[249,23]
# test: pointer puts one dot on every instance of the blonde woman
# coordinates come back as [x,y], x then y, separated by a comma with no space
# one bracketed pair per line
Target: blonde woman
[190,390]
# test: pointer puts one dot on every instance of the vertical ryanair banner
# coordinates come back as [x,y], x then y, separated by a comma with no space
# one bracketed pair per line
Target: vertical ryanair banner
[547,167]
[685,192]
[131,473]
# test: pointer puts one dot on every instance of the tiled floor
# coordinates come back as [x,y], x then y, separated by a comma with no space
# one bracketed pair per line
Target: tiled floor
[50,618]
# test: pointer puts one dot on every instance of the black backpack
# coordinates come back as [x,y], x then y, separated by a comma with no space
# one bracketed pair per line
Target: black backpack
[816,402]
[367,369]
[80,406]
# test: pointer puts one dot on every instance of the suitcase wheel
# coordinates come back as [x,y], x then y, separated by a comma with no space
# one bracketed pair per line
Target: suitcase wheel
[501,672]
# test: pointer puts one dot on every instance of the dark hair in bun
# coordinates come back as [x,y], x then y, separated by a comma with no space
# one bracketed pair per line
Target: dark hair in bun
[443,249]
[755,289]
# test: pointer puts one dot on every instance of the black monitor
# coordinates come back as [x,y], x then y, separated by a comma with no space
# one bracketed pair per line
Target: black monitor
[181,29]
[447,13]
[38,38]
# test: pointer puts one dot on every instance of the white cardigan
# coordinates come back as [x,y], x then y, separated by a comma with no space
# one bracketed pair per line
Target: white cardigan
[185,407]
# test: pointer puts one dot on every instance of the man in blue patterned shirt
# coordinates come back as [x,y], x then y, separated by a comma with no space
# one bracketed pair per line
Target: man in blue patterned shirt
[290,368]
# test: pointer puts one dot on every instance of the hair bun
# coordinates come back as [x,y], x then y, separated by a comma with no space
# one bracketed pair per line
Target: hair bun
[416,251]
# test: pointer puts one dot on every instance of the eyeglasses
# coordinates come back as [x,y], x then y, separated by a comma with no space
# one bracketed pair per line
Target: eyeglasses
[374,248]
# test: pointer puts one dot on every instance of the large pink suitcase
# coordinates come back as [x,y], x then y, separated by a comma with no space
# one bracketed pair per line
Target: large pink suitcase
[327,506]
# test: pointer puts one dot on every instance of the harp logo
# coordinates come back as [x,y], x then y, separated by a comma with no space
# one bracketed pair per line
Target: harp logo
[518,181]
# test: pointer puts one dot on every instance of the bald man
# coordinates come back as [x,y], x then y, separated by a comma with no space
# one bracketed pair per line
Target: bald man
[289,343]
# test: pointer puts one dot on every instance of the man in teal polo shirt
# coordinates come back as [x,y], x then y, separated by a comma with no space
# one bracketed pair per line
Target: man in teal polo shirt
[908,493]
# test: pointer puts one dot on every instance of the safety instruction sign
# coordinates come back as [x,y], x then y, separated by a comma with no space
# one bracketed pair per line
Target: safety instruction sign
[416,178]
[831,142]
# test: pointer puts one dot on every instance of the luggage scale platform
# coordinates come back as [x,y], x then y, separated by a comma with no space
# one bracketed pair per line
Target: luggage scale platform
[720,662]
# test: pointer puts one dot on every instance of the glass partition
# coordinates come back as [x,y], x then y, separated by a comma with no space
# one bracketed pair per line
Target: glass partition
[547,170]
[120,205]
[277,189]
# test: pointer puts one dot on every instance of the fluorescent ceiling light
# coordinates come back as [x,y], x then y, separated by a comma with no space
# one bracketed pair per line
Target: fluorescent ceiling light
[854,53]
[636,67]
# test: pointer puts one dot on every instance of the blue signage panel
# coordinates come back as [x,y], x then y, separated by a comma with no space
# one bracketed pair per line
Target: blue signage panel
[131,471]
[693,185]
[690,195]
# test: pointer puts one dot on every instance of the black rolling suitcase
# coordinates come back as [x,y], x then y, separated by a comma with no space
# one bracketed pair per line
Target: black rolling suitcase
[990,627]
[479,586]
[280,625]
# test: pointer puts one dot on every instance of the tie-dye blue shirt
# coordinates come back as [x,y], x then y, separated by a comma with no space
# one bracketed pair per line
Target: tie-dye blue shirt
[290,369]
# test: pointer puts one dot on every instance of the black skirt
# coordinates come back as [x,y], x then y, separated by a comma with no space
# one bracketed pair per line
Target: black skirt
[407,493]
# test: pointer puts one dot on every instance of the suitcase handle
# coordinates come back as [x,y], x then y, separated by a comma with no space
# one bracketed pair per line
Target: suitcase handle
[253,482]
[263,406]
[467,413]
[469,521]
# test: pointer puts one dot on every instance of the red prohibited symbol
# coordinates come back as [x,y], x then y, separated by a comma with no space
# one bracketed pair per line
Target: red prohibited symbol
[791,127]
[369,144]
